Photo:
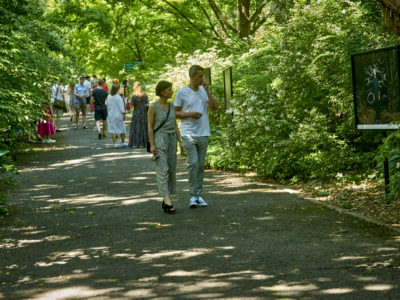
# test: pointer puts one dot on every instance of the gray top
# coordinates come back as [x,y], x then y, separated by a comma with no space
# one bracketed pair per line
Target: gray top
[161,115]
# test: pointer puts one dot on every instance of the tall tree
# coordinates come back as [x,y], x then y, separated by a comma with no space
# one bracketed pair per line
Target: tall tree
[217,19]
[104,36]
[391,11]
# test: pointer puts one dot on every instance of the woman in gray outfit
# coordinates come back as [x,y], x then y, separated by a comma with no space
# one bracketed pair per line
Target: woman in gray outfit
[163,135]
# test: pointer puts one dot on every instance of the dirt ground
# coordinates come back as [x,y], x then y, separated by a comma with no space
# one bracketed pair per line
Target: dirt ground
[86,223]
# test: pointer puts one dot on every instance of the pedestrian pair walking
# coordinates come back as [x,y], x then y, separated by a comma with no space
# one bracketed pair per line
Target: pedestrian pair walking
[191,106]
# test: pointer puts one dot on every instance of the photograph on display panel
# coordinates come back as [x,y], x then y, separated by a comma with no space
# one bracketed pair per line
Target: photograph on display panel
[376,88]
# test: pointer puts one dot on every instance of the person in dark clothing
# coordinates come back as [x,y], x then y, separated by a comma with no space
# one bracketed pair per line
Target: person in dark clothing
[99,96]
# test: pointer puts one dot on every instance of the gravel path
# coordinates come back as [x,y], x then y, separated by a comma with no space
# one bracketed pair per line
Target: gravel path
[87,223]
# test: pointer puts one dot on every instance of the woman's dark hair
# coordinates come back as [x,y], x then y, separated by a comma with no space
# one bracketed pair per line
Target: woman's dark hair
[114,89]
[161,86]
[124,82]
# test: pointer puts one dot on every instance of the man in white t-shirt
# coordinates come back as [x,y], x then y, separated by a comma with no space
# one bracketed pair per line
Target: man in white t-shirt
[191,103]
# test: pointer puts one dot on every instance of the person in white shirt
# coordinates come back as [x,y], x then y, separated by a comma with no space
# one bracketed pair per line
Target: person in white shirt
[57,92]
[191,104]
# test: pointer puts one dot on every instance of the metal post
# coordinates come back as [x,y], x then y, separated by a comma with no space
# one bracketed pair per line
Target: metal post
[386,171]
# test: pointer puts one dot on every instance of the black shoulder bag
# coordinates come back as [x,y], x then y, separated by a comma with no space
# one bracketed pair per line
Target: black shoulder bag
[161,125]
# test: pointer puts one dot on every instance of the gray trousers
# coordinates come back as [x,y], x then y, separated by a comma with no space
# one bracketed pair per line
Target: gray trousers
[166,163]
[196,150]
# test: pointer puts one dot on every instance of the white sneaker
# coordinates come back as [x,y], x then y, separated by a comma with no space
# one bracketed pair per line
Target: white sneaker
[115,145]
[201,202]
[193,202]
[123,145]
[50,141]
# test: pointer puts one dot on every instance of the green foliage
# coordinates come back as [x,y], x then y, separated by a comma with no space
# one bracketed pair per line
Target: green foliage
[31,51]
[7,170]
[104,36]
[390,150]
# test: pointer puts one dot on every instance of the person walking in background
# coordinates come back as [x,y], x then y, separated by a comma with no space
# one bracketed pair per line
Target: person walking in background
[105,86]
[99,96]
[95,81]
[125,95]
[116,82]
[94,87]
[191,103]
[45,126]
[71,95]
[89,86]
[163,135]
[57,93]
[116,116]
[138,132]
[81,91]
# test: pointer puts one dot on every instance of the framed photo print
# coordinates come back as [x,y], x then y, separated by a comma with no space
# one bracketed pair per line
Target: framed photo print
[376,88]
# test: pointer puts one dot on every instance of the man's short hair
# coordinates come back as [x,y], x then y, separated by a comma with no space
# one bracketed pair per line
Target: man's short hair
[87,77]
[194,69]
[101,82]
[162,86]
[82,77]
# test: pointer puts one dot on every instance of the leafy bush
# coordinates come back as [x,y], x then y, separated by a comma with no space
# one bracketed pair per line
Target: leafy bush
[31,52]
[390,150]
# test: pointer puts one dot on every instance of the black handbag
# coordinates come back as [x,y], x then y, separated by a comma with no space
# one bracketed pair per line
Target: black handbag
[161,125]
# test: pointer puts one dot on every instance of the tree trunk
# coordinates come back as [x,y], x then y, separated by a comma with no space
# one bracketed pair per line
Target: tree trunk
[391,14]
[244,18]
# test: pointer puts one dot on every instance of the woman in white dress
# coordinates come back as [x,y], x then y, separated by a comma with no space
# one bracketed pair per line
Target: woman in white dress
[116,116]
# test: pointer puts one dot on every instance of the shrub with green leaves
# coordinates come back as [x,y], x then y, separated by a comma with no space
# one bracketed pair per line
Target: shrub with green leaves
[31,52]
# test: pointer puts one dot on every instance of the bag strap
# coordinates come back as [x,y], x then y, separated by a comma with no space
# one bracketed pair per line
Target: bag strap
[162,124]
[55,97]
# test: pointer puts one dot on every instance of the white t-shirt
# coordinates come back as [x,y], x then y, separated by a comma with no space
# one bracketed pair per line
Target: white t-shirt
[193,101]
[88,85]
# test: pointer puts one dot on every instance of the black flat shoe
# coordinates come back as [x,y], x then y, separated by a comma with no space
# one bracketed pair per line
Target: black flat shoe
[169,209]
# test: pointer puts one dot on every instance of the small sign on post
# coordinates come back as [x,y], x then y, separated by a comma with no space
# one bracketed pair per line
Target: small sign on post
[131,66]
[228,87]
[376,92]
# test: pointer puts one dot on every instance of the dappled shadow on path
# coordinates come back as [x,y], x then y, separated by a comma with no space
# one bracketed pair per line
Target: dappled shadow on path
[88,224]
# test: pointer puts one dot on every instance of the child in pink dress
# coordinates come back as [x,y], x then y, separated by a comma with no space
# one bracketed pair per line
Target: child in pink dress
[46,125]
